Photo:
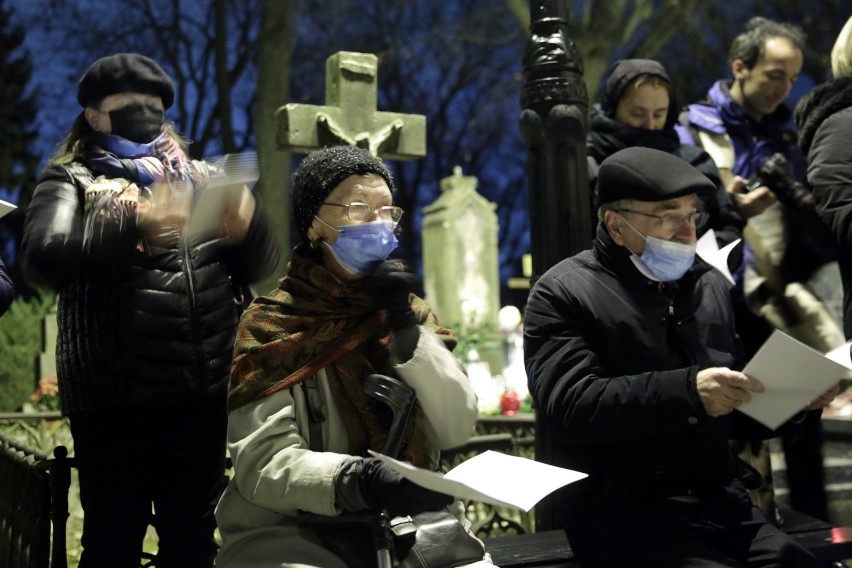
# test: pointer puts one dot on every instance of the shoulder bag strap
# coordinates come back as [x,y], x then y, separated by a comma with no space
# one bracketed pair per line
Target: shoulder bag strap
[316,414]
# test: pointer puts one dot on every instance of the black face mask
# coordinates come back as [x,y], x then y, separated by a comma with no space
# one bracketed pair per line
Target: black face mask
[136,123]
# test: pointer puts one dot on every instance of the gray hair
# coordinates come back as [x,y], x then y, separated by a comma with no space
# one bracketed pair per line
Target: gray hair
[614,206]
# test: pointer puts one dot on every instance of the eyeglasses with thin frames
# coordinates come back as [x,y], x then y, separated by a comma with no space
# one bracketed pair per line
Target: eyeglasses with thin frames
[362,212]
[673,221]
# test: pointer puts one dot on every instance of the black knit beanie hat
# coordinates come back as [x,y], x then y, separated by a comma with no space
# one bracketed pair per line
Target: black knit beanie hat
[125,73]
[321,171]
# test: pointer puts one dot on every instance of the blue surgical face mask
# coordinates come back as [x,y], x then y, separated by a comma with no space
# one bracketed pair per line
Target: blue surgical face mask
[663,260]
[361,248]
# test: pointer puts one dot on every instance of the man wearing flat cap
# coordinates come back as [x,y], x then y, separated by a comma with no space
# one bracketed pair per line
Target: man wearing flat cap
[633,365]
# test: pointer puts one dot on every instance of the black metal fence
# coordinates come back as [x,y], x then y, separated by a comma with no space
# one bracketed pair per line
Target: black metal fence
[33,500]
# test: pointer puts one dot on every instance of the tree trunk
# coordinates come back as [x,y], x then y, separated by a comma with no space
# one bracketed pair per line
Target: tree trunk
[273,88]
[223,78]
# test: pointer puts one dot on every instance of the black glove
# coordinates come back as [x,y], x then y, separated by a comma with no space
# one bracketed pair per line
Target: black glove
[389,286]
[370,484]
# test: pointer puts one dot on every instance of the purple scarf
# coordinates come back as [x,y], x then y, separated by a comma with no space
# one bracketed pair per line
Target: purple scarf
[117,157]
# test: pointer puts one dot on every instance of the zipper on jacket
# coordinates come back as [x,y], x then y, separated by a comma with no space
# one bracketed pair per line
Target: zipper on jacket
[193,308]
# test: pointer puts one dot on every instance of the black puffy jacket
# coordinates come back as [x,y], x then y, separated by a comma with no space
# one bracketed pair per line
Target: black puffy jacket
[136,323]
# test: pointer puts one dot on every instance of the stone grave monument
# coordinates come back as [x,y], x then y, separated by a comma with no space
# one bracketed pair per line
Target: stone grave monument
[460,264]
[46,365]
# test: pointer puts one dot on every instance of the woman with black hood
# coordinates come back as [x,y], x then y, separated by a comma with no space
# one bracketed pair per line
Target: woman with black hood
[638,109]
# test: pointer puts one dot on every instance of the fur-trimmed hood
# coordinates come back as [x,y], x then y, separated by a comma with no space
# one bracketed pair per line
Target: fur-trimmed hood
[823,101]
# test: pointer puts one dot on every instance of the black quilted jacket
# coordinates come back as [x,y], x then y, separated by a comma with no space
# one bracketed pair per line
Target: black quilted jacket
[137,323]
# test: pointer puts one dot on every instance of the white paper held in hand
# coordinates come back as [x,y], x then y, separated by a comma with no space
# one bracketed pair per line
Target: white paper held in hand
[228,174]
[793,375]
[491,477]
[708,249]
[6,207]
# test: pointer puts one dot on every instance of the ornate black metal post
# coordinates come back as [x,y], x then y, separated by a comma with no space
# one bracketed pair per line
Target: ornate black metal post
[554,121]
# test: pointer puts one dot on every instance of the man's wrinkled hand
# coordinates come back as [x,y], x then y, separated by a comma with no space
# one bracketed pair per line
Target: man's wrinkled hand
[723,390]
[825,398]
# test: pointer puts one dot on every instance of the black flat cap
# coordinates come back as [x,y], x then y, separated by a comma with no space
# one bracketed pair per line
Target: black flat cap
[646,174]
[125,73]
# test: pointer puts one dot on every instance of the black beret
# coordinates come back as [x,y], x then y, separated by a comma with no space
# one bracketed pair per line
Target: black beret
[646,174]
[125,73]
[321,171]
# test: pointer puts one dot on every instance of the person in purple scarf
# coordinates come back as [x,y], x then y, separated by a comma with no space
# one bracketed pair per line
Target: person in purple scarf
[790,258]
[147,314]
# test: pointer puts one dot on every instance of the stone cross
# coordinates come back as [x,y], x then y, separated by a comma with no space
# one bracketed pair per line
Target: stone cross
[350,116]
[460,262]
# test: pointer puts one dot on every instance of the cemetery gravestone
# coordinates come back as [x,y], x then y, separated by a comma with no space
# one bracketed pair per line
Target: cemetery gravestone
[460,263]
[47,357]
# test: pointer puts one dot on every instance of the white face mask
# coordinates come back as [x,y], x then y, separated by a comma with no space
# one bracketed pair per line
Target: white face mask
[665,261]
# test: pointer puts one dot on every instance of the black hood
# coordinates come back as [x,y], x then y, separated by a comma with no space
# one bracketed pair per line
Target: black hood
[625,70]
[820,103]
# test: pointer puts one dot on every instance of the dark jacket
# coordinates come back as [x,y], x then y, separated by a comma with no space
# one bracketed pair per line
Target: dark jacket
[136,323]
[7,289]
[824,119]
[753,142]
[607,136]
[612,359]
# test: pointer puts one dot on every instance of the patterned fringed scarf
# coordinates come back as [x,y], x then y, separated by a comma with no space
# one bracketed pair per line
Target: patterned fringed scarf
[313,321]
[145,164]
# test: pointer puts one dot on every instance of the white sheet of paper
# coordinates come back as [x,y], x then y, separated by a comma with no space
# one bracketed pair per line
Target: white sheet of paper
[793,374]
[6,207]
[207,213]
[842,355]
[228,174]
[708,249]
[492,477]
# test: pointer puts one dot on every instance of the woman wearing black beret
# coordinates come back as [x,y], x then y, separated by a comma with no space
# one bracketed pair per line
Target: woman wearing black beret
[147,315]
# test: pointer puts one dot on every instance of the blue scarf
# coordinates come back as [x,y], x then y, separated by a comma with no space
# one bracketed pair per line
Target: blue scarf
[145,164]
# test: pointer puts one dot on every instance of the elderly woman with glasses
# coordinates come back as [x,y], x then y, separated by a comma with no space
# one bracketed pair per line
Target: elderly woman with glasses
[301,425]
